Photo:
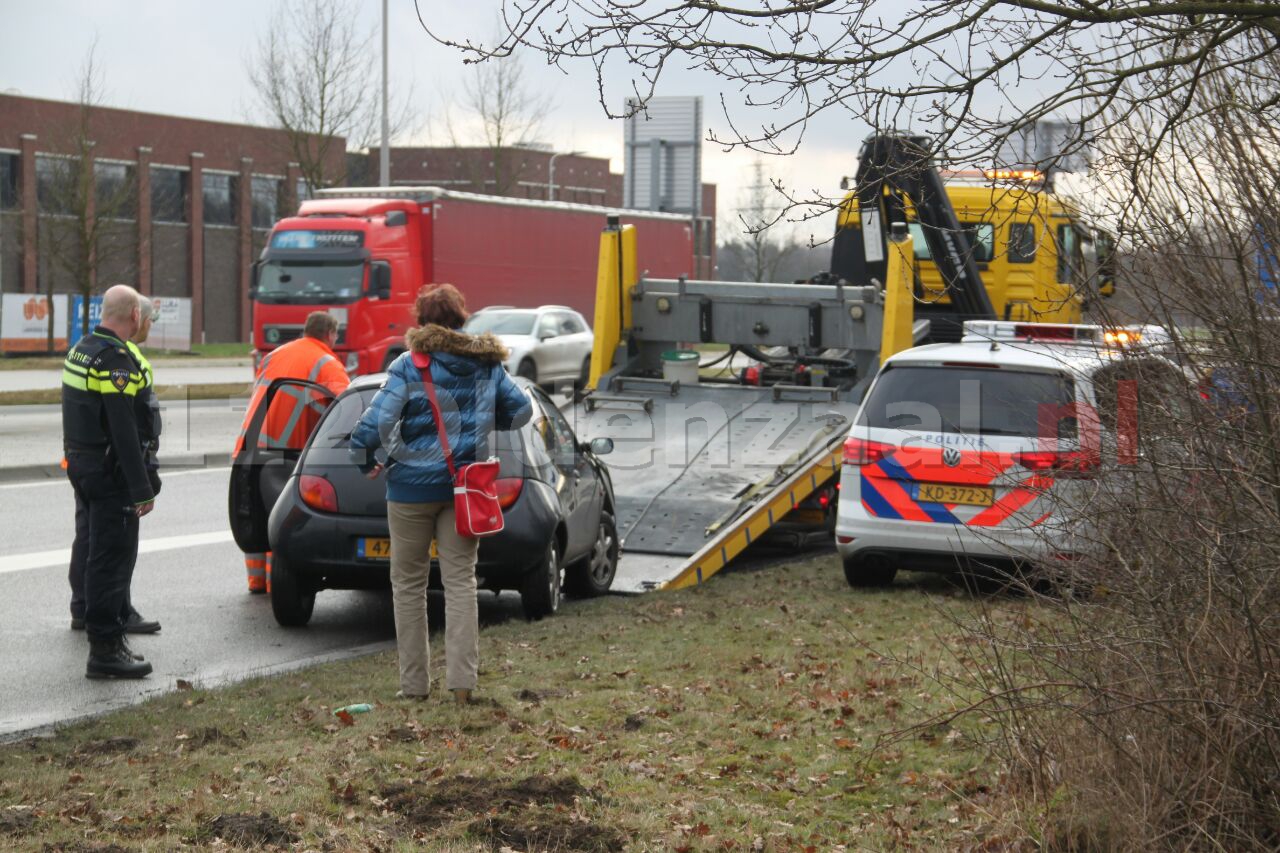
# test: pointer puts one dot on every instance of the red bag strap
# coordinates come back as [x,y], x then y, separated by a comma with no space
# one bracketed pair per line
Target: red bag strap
[422,361]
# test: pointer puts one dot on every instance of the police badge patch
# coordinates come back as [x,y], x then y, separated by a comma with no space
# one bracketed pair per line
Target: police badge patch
[120,378]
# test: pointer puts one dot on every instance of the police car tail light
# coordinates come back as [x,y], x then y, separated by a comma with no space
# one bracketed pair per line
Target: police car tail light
[508,489]
[859,451]
[318,493]
[1070,464]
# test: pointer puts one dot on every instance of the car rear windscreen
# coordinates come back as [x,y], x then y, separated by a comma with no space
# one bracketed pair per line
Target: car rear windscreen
[333,437]
[970,401]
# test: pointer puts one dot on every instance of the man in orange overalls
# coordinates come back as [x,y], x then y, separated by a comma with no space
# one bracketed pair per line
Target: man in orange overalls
[294,412]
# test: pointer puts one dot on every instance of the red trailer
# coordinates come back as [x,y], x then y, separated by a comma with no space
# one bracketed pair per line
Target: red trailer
[362,254]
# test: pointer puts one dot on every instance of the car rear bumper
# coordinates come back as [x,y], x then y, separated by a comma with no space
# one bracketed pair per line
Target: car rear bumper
[323,547]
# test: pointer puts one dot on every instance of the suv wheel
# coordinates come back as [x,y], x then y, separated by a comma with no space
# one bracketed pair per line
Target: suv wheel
[292,600]
[527,370]
[540,590]
[864,572]
[593,574]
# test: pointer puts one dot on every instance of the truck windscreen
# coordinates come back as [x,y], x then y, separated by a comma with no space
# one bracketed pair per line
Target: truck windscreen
[311,282]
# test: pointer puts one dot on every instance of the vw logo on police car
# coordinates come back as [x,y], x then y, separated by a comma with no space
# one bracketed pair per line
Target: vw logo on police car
[951,456]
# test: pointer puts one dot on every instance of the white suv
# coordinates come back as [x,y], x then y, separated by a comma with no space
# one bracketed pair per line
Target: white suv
[960,452]
[548,345]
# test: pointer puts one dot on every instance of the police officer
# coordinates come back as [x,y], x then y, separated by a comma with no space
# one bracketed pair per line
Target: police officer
[149,433]
[106,464]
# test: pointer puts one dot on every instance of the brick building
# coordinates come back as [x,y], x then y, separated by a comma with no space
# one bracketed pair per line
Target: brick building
[184,205]
[160,234]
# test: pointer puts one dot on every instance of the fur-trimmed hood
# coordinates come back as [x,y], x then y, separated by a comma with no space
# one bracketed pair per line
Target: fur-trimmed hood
[432,338]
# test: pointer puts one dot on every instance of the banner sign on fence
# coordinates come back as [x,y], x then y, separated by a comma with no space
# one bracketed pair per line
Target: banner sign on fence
[77,316]
[24,322]
[170,331]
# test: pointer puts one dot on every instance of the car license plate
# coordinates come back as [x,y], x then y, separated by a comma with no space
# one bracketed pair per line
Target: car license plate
[376,548]
[947,493]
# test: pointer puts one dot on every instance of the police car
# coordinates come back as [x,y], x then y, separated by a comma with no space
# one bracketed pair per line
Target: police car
[969,453]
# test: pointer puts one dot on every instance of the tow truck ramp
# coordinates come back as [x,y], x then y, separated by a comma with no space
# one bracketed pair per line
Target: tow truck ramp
[703,466]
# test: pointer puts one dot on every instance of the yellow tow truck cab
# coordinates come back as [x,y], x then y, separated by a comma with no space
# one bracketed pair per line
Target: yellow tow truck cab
[1039,260]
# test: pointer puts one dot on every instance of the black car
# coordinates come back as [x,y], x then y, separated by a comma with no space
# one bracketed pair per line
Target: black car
[326,523]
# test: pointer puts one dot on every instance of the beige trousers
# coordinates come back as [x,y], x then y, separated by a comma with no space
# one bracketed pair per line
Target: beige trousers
[413,526]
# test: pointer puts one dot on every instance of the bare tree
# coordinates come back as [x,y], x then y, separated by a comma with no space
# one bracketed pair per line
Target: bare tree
[83,201]
[762,246]
[970,71]
[502,115]
[315,76]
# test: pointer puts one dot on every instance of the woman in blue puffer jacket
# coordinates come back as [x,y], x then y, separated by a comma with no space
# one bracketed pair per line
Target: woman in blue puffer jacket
[476,397]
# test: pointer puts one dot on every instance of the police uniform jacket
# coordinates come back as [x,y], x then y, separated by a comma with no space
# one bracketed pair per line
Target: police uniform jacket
[103,406]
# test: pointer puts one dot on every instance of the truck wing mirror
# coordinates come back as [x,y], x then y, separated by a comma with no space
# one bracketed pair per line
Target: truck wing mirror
[380,280]
[255,270]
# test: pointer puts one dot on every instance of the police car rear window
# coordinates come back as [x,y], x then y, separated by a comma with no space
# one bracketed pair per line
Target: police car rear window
[970,401]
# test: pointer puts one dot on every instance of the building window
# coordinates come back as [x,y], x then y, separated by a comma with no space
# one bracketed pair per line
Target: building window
[221,198]
[301,190]
[169,194]
[115,195]
[266,201]
[56,185]
[1022,242]
[8,180]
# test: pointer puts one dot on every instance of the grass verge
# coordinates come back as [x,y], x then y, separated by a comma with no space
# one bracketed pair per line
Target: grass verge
[48,362]
[212,391]
[743,715]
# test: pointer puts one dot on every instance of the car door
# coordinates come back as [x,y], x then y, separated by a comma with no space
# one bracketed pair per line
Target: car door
[582,490]
[259,473]
[550,348]
[578,340]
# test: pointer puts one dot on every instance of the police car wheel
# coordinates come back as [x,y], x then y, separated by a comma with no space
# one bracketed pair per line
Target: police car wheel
[291,599]
[863,572]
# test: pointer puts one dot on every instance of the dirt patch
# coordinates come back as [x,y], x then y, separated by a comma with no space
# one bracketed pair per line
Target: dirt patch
[537,696]
[633,723]
[402,734]
[247,830]
[538,830]
[214,736]
[17,820]
[109,746]
[465,796]
[84,847]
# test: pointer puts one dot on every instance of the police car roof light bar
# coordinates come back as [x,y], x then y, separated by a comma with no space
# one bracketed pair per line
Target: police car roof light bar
[1003,330]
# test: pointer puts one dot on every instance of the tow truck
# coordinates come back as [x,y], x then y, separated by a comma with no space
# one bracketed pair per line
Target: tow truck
[703,466]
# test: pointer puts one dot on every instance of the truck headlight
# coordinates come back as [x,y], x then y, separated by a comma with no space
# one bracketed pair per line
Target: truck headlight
[353,362]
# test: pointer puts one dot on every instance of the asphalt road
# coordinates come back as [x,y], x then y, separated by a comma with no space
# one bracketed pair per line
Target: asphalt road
[168,372]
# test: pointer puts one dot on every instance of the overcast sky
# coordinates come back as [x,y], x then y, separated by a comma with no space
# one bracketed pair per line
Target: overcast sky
[189,59]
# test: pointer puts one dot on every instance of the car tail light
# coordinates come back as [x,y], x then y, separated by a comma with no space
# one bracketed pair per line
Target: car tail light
[858,451]
[844,540]
[318,493]
[1072,464]
[508,490]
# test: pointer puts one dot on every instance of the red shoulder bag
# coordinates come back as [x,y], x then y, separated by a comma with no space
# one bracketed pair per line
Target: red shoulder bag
[475,493]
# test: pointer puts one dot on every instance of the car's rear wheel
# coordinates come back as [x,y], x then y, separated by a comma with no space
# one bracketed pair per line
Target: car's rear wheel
[527,370]
[865,572]
[594,573]
[540,590]
[292,599]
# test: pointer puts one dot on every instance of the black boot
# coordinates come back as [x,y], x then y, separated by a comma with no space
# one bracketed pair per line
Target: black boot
[111,659]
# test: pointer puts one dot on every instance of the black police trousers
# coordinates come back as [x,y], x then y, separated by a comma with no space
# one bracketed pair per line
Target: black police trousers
[80,559]
[111,548]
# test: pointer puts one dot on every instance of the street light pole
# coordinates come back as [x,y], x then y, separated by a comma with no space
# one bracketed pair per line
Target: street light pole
[551,172]
[384,160]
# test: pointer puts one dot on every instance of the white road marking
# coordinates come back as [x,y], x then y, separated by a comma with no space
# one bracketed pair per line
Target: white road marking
[62,556]
[165,475]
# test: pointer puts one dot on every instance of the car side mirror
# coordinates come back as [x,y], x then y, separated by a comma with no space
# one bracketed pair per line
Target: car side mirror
[601,446]
[546,335]
[380,280]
